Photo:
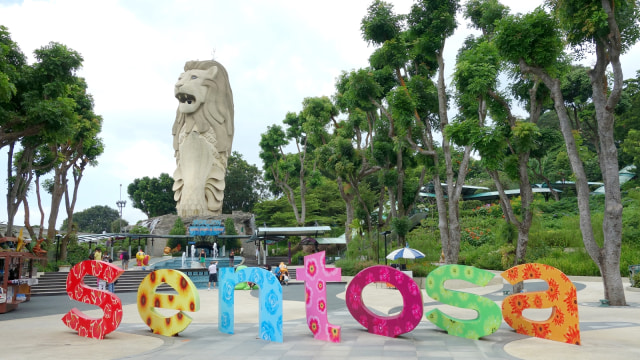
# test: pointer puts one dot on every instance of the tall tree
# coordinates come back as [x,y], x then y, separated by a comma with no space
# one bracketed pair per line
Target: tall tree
[430,24]
[95,219]
[28,162]
[613,28]
[507,145]
[13,124]
[291,172]
[245,185]
[537,50]
[46,102]
[400,110]
[79,144]
[88,146]
[627,125]
[283,169]
[347,158]
[153,196]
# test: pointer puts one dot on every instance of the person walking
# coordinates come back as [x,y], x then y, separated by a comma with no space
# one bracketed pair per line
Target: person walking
[102,284]
[125,260]
[213,274]
[231,256]
[203,257]
[111,286]
[98,254]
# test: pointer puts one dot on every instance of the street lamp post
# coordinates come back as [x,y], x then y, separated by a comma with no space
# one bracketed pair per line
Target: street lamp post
[121,204]
[385,233]
[378,250]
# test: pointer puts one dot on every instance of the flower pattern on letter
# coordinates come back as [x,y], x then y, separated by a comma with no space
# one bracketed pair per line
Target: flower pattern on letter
[322,306]
[563,324]
[314,326]
[315,278]
[376,324]
[311,269]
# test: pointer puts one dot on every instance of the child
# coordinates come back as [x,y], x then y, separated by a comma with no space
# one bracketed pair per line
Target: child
[102,284]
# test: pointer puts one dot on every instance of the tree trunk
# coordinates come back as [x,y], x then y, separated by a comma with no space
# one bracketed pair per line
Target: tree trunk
[27,224]
[9,230]
[59,185]
[608,257]
[288,192]
[20,181]
[453,246]
[303,197]
[348,200]
[526,198]
[70,204]
[381,221]
[41,230]
[452,250]
[402,212]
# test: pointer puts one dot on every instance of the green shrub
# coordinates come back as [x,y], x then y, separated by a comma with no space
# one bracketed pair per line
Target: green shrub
[506,233]
[470,204]
[178,229]
[282,251]
[475,236]
[561,231]
[298,257]
[421,268]
[630,255]
[489,210]
[536,249]
[631,219]
[507,255]
[577,263]
[351,267]
[76,252]
[483,257]
[635,280]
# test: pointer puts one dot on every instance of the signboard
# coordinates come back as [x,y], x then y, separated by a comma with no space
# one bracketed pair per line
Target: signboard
[206,228]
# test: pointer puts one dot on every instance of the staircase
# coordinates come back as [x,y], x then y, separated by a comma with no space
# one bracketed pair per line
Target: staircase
[271,260]
[55,283]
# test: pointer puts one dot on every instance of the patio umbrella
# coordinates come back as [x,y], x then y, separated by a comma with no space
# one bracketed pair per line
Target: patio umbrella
[405,253]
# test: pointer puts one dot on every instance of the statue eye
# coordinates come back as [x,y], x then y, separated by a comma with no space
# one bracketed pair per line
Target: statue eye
[193,77]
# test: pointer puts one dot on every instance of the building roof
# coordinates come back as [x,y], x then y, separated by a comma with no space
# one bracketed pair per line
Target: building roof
[293,231]
[492,195]
[342,239]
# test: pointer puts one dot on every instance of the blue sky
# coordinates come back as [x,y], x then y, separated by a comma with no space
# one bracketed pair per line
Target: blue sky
[276,52]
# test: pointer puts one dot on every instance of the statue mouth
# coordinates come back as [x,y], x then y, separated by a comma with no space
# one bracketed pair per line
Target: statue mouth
[185,98]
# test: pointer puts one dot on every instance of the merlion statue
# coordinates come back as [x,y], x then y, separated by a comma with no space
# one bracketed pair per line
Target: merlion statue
[202,137]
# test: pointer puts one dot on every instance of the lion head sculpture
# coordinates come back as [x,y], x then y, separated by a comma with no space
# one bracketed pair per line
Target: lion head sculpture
[202,137]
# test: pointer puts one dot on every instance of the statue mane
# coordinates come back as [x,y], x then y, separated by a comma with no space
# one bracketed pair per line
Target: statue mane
[217,111]
[202,137]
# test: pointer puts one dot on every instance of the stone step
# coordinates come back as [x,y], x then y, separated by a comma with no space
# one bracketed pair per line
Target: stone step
[55,283]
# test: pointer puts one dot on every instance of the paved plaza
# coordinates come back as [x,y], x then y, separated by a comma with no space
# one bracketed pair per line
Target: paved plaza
[35,331]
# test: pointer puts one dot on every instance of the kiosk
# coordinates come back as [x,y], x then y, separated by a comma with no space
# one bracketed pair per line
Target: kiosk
[15,277]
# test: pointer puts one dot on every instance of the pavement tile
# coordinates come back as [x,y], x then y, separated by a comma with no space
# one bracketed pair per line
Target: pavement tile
[607,332]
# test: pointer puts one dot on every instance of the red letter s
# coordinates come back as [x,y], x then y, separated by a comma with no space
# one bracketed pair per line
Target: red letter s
[110,303]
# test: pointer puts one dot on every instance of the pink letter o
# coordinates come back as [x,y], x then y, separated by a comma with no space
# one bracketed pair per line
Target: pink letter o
[391,326]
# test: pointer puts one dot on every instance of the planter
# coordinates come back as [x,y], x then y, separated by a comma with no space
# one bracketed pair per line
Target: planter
[64,268]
